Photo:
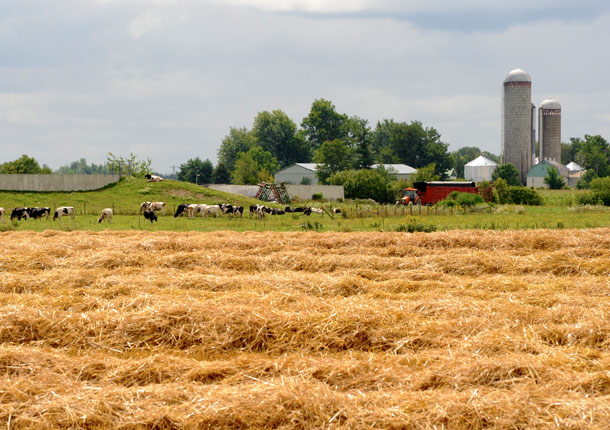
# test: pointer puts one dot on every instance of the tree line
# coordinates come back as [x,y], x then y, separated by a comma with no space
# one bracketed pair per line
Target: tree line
[340,144]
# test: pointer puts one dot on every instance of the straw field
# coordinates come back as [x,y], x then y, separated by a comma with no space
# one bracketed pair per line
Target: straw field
[171,330]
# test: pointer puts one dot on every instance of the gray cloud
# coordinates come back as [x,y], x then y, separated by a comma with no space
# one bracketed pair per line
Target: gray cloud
[166,79]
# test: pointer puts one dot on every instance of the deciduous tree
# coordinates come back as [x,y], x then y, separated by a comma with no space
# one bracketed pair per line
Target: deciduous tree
[24,165]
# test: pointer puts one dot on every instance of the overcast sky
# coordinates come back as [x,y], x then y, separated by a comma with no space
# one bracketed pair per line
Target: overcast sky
[166,79]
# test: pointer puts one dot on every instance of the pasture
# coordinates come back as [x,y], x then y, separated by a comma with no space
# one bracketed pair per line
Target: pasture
[227,329]
[126,196]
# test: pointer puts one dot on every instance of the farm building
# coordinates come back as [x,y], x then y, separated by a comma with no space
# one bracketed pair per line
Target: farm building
[479,169]
[573,167]
[305,173]
[400,171]
[537,173]
[298,174]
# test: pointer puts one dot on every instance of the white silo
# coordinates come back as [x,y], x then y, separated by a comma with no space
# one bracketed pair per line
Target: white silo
[517,122]
[549,130]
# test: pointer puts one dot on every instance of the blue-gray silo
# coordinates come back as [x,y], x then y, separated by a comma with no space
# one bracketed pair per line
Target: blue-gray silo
[549,130]
[518,122]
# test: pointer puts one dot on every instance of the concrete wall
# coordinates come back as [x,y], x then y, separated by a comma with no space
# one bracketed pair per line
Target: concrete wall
[243,190]
[305,192]
[55,182]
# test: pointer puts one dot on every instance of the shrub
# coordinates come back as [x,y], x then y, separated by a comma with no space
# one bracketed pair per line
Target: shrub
[317,197]
[363,184]
[523,196]
[553,179]
[599,194]
[501,191]
[414,226]
[465,200]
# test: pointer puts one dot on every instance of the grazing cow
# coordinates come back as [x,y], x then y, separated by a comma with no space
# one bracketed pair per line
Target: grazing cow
[259,210]
[63,210]
[150,215]
[106,215]
[2,214]
[37,213]
[153,178]
[153,206]
[228,209]
[336,211]
[275,211]
[19,213]
[209,210]
[317,210]
[180,210]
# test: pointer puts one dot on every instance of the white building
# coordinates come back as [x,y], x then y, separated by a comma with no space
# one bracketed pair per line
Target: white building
[479,169]
[400,171]
[298,174]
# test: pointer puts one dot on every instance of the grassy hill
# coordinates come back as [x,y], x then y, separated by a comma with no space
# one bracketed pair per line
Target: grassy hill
[124,197]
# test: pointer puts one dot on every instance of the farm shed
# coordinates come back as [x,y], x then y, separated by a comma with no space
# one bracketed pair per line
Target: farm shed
[479,169]
[399,171]
[537,173]
[297,174]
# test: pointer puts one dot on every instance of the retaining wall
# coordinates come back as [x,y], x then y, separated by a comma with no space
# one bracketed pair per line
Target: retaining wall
[303,192]
[55,182]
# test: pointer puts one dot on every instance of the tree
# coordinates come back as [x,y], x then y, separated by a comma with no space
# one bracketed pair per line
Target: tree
[277,133]
[81,167]
[593,154]
[238,140]
[426,174]
[323,124]
[246,169]
[411,144]
[508,172]
[24,165]
[364,184]
[221,175]
[254,166]
[264,159]
[128,165]
[462,156]
[359,138]
[196,171]
[554,179]
[333,156]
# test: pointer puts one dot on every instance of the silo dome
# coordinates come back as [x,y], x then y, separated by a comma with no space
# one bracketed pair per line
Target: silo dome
[550,104]
[518,75]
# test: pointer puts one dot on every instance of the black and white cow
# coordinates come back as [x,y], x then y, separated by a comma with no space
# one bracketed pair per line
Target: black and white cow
[228,209]
[153,206]
[150,215]
[63,210]
[181,209]
[1,214]
[37,213]
[153,178]
[205,210]
[105,215]
[19,213]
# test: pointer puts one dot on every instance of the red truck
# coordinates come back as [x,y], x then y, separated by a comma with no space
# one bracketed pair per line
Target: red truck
[429,193]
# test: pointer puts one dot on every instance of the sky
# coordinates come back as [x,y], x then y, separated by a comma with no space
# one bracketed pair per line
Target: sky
[167,79]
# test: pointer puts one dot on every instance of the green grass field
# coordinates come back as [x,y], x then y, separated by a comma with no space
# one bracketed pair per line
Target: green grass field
[125,197]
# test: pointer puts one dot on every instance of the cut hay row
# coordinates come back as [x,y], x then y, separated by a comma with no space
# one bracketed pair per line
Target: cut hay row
[456,330]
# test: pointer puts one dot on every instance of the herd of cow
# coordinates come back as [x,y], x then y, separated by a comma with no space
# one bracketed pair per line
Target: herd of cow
[20,213]
[148,209]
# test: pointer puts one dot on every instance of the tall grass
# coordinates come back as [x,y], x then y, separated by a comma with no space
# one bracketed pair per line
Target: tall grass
[462,330]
